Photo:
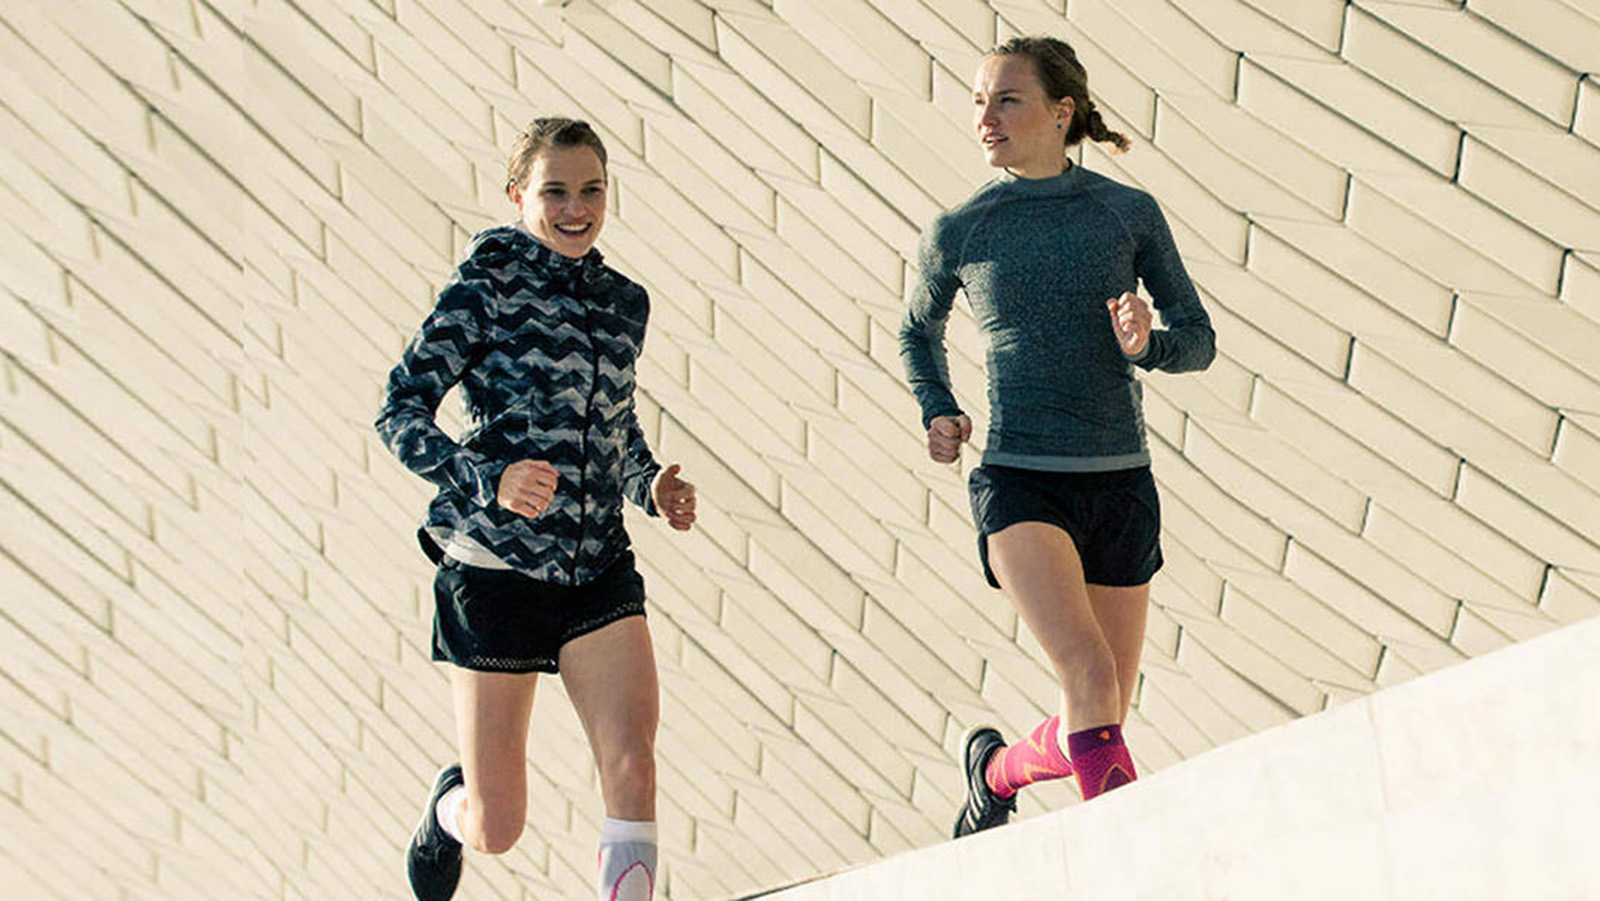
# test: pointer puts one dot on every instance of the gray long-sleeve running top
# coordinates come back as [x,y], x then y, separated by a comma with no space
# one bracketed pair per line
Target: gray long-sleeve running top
[1038,259]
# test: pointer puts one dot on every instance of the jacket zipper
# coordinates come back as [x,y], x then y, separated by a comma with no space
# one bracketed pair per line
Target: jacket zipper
[588,415]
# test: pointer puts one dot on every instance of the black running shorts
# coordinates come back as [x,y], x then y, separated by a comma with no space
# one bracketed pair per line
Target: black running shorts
[1113,518]
[501,621]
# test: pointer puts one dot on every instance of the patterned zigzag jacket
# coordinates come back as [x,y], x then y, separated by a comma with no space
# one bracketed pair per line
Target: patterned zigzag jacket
[544,347]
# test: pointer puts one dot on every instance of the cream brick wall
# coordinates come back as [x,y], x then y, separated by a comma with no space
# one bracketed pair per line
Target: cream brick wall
[220,221]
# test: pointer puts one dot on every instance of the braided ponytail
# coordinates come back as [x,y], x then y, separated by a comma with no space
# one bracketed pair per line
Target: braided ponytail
[1062,76]
[1097,130]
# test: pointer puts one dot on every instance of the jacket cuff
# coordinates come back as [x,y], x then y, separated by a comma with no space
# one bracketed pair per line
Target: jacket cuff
[485,477]
[651,477]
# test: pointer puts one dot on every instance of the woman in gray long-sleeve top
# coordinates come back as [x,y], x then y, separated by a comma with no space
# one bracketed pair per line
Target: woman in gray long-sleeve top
[1049,256]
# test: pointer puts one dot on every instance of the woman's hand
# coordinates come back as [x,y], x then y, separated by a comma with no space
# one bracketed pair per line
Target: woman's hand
[674,498]
[945,434]
[1131,320]
[526,487]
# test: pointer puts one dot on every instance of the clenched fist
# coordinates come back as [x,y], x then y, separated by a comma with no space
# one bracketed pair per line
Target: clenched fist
[1131,320]
[945,435]
[674,498]
[526,487]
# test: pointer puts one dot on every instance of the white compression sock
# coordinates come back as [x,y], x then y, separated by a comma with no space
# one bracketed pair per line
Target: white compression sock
[446,810]
[627,860]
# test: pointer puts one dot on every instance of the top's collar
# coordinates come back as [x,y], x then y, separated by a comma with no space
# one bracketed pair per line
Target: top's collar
[1055,184]
[560,262]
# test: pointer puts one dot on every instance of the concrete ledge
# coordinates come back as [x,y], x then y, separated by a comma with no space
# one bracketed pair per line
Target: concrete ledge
[1480,781]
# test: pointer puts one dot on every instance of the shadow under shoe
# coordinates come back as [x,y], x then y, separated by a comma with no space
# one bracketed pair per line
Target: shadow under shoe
[433,860]
[983,808]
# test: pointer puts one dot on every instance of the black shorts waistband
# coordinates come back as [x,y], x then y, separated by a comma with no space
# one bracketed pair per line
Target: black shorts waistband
[1081,481]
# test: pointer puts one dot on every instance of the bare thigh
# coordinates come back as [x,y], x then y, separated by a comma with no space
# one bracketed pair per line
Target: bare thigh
[610,676]
[1039,569]
[492,714]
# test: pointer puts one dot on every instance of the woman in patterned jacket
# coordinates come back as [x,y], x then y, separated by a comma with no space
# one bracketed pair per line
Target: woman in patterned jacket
[535,574]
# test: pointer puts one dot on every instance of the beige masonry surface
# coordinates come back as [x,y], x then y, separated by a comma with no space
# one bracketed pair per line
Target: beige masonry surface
[221,219]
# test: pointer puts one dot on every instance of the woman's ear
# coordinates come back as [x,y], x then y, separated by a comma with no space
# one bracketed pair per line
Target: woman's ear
[1065,109]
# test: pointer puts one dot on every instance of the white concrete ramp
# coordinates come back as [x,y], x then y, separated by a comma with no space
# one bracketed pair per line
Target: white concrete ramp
[1479,781]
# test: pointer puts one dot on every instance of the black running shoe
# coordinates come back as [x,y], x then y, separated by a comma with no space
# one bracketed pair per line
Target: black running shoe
[433,862]
[983,809]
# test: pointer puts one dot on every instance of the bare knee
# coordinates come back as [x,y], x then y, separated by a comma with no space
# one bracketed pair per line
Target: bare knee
[494,828]
[1090,673]
[629,776]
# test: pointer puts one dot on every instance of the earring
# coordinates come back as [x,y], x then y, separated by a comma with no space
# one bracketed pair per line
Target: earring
[1058,126]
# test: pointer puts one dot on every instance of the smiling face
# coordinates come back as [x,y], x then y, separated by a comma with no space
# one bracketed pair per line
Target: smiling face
[563,203]
[1017,123]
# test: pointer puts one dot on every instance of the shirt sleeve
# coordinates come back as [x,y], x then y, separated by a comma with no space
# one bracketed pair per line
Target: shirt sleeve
[1187,343]
[922,328]
[451,339]
[639,466]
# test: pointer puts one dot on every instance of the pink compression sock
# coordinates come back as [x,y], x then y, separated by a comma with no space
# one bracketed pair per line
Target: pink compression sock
[1101,760]
[1036,759]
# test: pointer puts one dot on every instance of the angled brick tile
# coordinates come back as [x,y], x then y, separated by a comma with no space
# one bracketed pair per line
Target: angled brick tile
[862,40]
[1283,250]
[754,125]
[1558,29]
[1320,22]
[765,49]
[1340,112]
[1190,128]
[1483,49]
[1167,49]
[1547,361]
[1561,528]
[1577,450]
[1530,197]
[1487,231]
